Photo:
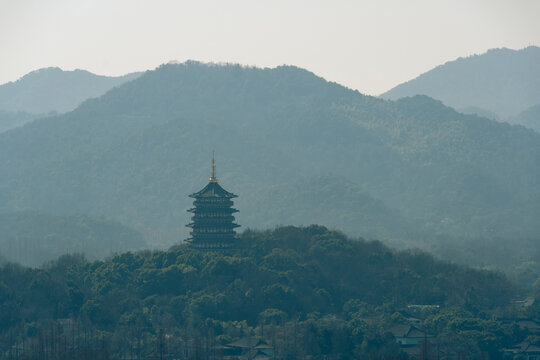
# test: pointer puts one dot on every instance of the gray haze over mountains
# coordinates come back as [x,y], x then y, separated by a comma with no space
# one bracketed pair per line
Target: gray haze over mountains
[31,238]
[499,84]
[135,153]
[48,91]
[296,148]
[530,118]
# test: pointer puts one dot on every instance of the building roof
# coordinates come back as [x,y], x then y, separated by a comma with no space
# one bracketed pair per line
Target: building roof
[524,347]
[249,343]
[408,331]
[256,355]
[523,323]
[531,325]
[213,189]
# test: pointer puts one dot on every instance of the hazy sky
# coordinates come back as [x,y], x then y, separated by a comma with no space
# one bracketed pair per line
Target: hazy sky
[366,45]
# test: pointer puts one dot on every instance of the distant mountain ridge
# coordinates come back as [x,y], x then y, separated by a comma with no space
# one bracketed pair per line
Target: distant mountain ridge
[501,81]
[32,239]
[10,120]
[530,118]
[53,89]
[135,153]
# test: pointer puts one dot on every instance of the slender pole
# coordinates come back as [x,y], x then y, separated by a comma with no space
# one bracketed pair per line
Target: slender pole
[213,172]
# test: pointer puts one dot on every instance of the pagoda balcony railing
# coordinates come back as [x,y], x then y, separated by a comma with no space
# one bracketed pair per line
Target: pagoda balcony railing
[221,237]
[204,230]
[208,210]
[212,245]
[212,229]
[212,217]
[212,206]
[212,237]
[213,201]
[211,209]
[199,225]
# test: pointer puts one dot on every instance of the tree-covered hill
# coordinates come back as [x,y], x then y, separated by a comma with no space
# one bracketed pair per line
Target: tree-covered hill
[351,208]
[32,238]
[135,153]
[342,296]
[518,258]
[530,118]
[501,81]
[53,89]
[10,120]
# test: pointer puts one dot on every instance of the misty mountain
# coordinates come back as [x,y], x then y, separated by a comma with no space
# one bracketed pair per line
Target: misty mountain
[53,89]
[135,154]
[529,118]
[500,81]
[350,207]
[31,238]
[10,120]
[474,110]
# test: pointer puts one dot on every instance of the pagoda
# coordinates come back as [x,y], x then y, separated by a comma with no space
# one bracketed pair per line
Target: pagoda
[212,221]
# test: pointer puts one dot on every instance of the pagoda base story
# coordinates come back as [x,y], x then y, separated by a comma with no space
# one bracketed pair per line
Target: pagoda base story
[211,245]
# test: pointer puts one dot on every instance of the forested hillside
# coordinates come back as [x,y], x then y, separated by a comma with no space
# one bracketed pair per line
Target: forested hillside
[32,238]
[502,82]
[135,153]
[323,197]
[530,118]
[10,120]
[341,297]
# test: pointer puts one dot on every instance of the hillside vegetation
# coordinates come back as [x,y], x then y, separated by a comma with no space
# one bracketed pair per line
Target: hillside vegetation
[296,148]
[502,82]
[530,118]
[341,296]
[32,239]
[10,120]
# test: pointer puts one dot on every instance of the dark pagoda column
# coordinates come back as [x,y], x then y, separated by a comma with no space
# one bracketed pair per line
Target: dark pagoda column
[212,221]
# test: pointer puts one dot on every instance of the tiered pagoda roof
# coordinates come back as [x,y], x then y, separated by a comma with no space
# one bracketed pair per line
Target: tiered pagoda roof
[212,221]
[213,189]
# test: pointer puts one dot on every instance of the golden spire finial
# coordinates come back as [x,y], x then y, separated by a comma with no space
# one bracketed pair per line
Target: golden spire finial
[213,177]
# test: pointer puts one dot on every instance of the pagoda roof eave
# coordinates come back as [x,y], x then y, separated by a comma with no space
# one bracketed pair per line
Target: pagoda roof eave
[223,210]
[213,189]
[195,225]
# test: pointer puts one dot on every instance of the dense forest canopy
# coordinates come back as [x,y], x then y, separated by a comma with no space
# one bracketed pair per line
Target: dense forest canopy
[10,120]
[342,296]
[298,150]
